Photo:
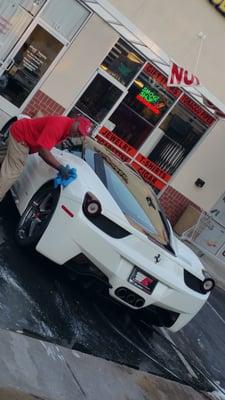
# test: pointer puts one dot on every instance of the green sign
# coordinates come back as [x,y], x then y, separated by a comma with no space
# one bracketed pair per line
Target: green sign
[149,95]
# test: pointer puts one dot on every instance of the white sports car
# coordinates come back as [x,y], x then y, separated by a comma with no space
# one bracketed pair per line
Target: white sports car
[112,218]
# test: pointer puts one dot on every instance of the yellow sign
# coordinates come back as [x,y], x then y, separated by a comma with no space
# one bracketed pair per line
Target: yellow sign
[219,4]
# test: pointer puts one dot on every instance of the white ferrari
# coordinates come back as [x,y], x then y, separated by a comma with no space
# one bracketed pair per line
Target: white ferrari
[110,217]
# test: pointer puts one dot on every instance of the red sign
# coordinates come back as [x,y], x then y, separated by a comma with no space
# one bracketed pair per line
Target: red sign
[111,147]
[153,167]
[148,176]
[178,76]
[130,153]
[114,139]
[154,73]
[153,108]
[196,109]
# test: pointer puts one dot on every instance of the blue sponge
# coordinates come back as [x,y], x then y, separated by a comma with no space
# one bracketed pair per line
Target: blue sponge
[59,181]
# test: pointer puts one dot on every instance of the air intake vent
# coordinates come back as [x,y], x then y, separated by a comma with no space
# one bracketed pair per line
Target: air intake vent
[109,227]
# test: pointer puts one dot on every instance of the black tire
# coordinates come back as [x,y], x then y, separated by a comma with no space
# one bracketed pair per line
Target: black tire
[35,220]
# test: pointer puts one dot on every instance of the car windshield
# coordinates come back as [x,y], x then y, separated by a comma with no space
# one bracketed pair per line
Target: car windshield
[135,198]
[126,200]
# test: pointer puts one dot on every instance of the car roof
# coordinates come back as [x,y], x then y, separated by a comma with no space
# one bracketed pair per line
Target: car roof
[137,186]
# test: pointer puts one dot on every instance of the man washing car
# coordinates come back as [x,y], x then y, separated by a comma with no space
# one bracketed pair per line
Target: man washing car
[38,135]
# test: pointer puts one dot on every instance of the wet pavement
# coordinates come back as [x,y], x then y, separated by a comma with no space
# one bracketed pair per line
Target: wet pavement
[44,300]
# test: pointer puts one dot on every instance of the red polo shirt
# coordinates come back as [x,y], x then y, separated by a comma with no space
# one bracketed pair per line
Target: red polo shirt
[44,132]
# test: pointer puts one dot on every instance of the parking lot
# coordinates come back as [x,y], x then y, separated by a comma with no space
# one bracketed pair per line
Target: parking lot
[43,300]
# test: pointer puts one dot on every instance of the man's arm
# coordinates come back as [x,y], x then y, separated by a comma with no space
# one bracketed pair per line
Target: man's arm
[48,157]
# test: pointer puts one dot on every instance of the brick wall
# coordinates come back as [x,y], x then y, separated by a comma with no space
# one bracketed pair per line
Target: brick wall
[174,204]
[42,102]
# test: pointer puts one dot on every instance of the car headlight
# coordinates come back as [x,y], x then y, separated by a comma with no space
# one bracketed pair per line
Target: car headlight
[91,206]
[142,280]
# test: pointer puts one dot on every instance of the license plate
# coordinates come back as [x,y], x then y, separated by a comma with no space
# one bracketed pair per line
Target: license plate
[142,280]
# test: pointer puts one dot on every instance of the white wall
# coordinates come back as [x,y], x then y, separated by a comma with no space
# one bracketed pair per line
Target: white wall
[207,163]
[80,61]
[174,26]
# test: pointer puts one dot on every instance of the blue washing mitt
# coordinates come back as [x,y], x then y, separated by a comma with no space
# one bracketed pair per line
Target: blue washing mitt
[59,181]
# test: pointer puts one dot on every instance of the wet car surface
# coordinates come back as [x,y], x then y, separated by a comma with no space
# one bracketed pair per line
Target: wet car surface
[41,299]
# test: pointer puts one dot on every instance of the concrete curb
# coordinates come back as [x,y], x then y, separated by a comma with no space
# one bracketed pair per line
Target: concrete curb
[30,367]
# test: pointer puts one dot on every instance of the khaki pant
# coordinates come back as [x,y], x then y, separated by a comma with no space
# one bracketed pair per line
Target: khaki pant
[12,165]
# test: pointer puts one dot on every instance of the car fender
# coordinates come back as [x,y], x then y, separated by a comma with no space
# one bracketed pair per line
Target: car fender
[55,245]
[34,176]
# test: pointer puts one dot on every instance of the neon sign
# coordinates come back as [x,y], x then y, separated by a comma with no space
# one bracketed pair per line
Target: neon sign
[149,99]
[149,95]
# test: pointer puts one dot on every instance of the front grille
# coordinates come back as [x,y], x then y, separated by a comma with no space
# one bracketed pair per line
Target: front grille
[192,282]
[109,227]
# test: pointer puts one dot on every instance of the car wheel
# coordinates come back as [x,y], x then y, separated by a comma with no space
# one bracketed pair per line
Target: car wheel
[37,216]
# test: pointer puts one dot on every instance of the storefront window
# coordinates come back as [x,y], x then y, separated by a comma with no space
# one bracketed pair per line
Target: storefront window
[98,99]
[148,100]
[140,111]
[178,134]
[29,65]
[123,62]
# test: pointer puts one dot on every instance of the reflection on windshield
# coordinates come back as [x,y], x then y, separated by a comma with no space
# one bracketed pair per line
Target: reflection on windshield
[127,201]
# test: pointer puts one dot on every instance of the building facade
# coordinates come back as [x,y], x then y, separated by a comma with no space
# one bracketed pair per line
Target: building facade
[110,61]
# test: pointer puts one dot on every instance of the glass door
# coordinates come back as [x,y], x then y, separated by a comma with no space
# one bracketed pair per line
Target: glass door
[99,99]
[26,66]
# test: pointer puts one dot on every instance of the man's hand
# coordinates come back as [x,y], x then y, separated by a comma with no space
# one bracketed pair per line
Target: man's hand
[65,172]
[48,157]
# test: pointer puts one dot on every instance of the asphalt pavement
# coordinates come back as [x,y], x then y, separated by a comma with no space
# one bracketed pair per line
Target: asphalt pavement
[46,301]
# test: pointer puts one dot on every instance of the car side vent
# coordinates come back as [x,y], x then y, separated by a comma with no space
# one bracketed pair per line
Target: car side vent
[109,227]
[192,282]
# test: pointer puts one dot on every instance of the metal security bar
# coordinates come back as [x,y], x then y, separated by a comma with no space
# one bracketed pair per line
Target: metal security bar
[168,154]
